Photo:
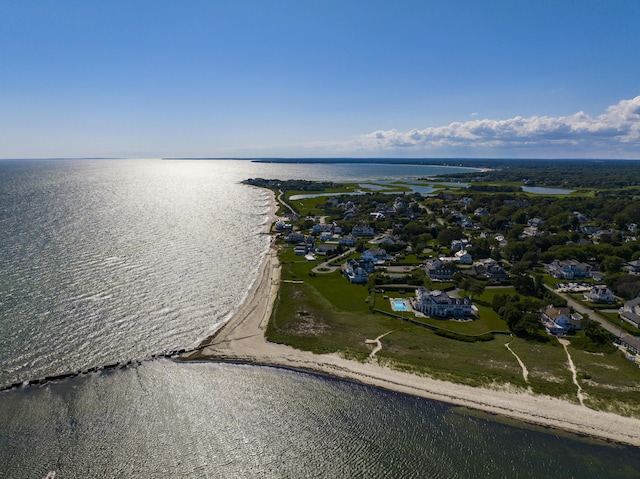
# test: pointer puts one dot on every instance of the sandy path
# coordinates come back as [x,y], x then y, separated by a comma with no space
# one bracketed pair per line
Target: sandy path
[574,371]
[378,344]
[525,371]
[242,339]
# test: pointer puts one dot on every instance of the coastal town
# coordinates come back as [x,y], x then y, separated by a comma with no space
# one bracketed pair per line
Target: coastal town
[542,271]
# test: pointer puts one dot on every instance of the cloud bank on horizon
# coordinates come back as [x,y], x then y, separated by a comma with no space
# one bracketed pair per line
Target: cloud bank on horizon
[613,134]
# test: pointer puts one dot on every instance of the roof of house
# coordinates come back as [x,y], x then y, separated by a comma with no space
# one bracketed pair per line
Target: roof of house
[554,313]
[632,302]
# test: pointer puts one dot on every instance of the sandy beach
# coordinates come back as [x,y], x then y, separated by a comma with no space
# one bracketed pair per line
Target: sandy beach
[242,339]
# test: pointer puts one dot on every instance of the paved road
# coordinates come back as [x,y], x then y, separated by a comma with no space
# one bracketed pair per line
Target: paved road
[328,267]
[615,330]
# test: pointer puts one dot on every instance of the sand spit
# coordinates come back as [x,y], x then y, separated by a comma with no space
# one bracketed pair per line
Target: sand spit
[242,339]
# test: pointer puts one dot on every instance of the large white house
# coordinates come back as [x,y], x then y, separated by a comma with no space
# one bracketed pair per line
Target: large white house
[438,304]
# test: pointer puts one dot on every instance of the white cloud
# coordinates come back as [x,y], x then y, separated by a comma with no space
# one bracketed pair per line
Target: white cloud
[616,131]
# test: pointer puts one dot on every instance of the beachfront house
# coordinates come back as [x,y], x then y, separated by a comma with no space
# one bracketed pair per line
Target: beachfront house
[295,237]
[630,312]
[301,249]
[560,321]
[439,304]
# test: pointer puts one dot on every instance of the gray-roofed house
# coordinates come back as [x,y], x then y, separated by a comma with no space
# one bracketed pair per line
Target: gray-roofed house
[600,294]
[630,312]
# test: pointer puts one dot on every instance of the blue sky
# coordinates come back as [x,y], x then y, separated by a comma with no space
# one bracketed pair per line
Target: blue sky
[260,78]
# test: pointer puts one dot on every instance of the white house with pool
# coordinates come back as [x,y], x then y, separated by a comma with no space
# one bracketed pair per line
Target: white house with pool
[438,304]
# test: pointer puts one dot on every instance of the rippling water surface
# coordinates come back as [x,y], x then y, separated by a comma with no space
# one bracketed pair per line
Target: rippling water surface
[111,261]
[163,419]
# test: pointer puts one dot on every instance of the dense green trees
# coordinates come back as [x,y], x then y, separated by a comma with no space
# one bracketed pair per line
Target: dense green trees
[521,315]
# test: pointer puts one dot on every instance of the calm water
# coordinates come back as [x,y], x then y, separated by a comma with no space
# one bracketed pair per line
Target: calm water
[109,261]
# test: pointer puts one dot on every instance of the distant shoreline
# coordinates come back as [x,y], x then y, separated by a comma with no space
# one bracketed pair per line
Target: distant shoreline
[242,339]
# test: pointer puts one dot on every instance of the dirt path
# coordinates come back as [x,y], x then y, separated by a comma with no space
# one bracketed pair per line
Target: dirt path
[378,344]
[574,371]
[525,371]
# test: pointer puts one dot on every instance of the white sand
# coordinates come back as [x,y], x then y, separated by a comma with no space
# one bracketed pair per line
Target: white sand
[242,339]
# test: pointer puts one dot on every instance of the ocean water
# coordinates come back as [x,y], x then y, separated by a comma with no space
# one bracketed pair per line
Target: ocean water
[114,261]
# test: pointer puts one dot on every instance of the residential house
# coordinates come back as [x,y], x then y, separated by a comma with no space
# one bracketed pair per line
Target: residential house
[589,229]
[600,294]
[326,248]
[326,236]
[437,270]
[463,257]
[632,267]
[294,238]
[356,273]
[457,245]
[374,255]
[301,249]
[535,222]
[447,196]
[348,240]
[560,321]
[438,304]
[282,226]
[581,217]
[490,268]
[362,230]
[483,211]
[322,228]
[630,312]
[570,269]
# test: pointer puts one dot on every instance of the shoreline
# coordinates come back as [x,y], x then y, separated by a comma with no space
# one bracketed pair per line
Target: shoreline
[242,340]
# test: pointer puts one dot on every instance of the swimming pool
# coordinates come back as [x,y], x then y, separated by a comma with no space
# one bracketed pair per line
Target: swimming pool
[399,305]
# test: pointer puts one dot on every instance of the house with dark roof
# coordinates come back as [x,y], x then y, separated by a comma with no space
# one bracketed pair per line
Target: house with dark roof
[600,294]
[632,267]
[437,270]
[630,312]
[490,268]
